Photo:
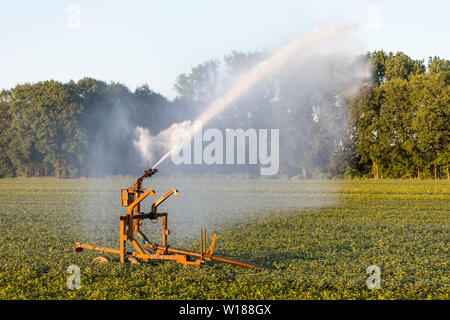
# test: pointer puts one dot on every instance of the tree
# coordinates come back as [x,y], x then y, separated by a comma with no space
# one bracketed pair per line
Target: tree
[44,129]
[200,84]
[431,123]
[400,122]
[395,125]
[396,133]
[377,61]
[6,167]
[437,65]
[369,128]
[402,66]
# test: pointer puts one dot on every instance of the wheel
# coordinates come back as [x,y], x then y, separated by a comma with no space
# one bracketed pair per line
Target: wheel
[132,260]
[101,259]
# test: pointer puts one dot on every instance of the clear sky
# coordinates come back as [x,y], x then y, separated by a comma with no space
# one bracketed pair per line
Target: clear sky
[138,42]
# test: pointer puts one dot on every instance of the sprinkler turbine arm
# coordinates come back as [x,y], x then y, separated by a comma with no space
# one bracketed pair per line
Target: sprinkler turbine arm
[147,174]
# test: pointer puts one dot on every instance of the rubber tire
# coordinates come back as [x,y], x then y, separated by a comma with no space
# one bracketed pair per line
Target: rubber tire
[101,259]
[132,260]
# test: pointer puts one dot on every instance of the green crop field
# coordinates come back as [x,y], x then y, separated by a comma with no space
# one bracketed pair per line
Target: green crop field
[316,239]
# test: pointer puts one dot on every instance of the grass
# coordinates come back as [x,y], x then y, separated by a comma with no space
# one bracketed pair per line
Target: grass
[316,239]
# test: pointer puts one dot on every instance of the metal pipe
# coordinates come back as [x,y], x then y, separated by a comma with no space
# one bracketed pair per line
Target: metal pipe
[236,262]
[178,251]
[213,258]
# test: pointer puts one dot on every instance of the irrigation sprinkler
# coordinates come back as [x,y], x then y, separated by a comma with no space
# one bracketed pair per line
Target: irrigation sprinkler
[131,222]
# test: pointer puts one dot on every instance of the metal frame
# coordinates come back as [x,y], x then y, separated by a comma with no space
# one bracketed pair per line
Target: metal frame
[131,222]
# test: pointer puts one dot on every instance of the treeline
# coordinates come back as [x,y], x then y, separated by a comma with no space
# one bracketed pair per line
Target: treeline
[400,121]
[74,129]
[395,126]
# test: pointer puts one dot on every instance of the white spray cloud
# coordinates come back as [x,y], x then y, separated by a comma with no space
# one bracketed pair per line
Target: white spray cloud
[150,147]
[319,40]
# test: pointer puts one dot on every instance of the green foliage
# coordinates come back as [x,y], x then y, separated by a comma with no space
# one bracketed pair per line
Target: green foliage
[44,128]
[68,130]
[437,65]
[6,166]
[401,120]
[396,126]
[315,239]
[200,83]
[401,66]
[377,61]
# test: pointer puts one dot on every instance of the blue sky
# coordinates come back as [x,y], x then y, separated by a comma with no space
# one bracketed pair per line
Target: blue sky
[138,42]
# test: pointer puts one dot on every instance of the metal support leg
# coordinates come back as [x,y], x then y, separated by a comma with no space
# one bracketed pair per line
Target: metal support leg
[123,239]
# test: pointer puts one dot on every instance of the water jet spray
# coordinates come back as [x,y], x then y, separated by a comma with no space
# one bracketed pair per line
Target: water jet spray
[249,79]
